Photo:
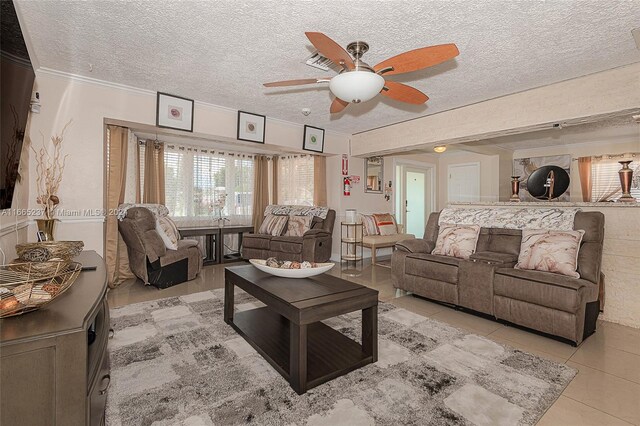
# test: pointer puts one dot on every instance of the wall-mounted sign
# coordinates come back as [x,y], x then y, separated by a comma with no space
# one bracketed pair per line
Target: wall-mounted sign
[354,179]
[345,164]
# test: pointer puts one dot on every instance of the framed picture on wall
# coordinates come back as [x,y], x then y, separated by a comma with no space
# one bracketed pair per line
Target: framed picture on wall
[251,127]
[313,139]
[174,112]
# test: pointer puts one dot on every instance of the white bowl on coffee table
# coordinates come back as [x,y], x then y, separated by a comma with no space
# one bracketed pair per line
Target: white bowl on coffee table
[321,268]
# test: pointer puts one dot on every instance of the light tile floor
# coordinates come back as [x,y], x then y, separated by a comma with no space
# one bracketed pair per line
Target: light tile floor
[605,392]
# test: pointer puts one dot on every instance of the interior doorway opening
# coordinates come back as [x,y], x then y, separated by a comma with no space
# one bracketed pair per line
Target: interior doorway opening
[415,195]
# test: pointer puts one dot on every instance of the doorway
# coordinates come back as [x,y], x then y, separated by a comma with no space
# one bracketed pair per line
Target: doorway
[416,197]
[463,182]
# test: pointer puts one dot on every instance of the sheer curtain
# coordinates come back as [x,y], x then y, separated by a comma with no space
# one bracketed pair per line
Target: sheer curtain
[295,180]
[198,179]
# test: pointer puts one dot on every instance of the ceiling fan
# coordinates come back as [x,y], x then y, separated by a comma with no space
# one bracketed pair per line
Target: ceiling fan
[358,82]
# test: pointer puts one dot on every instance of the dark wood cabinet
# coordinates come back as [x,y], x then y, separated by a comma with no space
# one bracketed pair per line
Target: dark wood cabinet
[54,363]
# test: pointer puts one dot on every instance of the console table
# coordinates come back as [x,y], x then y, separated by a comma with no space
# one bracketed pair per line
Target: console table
[214,237]
[54,364]
[212,241]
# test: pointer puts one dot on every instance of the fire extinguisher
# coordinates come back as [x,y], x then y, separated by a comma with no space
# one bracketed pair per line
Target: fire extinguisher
[347,186]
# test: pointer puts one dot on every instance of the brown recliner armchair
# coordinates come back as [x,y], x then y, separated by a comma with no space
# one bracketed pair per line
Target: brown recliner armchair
[149,259]
[313,246]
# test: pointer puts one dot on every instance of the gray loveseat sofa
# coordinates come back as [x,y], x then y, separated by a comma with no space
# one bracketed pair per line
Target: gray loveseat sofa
[488,283]
[314,245]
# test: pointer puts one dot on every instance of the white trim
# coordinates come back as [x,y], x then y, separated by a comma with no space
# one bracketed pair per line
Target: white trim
[13,227]
[109,84]
[431,168]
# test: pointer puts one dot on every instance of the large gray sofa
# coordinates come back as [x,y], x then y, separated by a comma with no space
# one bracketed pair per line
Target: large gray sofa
[313,246]
[488,283]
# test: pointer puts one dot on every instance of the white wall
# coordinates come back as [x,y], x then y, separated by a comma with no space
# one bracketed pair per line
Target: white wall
[88,103]
[361,201]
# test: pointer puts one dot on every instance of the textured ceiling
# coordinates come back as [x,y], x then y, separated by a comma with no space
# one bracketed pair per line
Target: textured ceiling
[220,52]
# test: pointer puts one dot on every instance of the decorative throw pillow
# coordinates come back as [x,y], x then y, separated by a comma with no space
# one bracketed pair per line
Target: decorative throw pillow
[457,240]
[369,225]
[298,225]
[273,225]
[386,224]
[550,251]
[168,232]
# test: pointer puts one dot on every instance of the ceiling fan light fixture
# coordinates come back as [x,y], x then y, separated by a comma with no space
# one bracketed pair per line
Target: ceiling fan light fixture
[356,86]
[440,148]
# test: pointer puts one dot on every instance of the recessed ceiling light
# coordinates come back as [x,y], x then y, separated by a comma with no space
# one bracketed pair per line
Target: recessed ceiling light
[440,148]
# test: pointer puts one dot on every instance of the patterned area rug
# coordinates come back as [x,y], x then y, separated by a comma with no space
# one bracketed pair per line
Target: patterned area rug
[175,362]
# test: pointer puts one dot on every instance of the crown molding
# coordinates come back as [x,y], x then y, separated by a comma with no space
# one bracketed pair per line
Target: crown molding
[109,84]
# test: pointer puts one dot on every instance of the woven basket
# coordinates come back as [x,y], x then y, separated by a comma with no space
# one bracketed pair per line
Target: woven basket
[46,250]
[25,288]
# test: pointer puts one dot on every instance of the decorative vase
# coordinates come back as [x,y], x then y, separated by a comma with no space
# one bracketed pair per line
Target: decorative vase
[46,227]
[515,189]
[626,175]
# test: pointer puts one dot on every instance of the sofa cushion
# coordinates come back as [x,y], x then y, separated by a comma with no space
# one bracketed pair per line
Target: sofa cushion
[494,257]
[457,240]
[385,240]
[439,268]
[386,224]
[298,225]
[369,225]
[415,245]
[285,244]
[544,288]
[550,251]
[168,232]
[257,241]
[273,225]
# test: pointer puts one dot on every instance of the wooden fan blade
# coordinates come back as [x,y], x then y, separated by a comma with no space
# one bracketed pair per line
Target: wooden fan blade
[330,49]
[292,82]
[338,105]
[418,59]
[403,93]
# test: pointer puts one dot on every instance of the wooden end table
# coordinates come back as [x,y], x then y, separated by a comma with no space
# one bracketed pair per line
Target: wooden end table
[288,331]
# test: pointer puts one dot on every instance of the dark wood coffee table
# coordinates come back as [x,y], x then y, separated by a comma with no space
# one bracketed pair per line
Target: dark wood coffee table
[288,333]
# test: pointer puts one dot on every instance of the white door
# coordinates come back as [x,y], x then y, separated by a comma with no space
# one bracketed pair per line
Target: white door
[417,196]
[463,182]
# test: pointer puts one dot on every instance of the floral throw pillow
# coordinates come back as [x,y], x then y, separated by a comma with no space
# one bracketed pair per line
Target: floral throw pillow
[168,232]
[457,240]
[298,225]
[550,251]
[273,225]
[386,224]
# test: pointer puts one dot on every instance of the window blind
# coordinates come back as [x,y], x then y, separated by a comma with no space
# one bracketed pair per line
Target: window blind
[295,180]
[605,181]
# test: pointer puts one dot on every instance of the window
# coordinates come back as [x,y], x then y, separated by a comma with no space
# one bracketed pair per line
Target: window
[295,180]
[605,182]
[197,178]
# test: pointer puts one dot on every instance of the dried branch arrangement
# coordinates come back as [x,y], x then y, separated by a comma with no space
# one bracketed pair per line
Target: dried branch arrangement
[49,170]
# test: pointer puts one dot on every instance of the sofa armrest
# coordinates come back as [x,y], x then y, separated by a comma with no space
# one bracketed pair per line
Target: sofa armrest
[316,233]
[415,245]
